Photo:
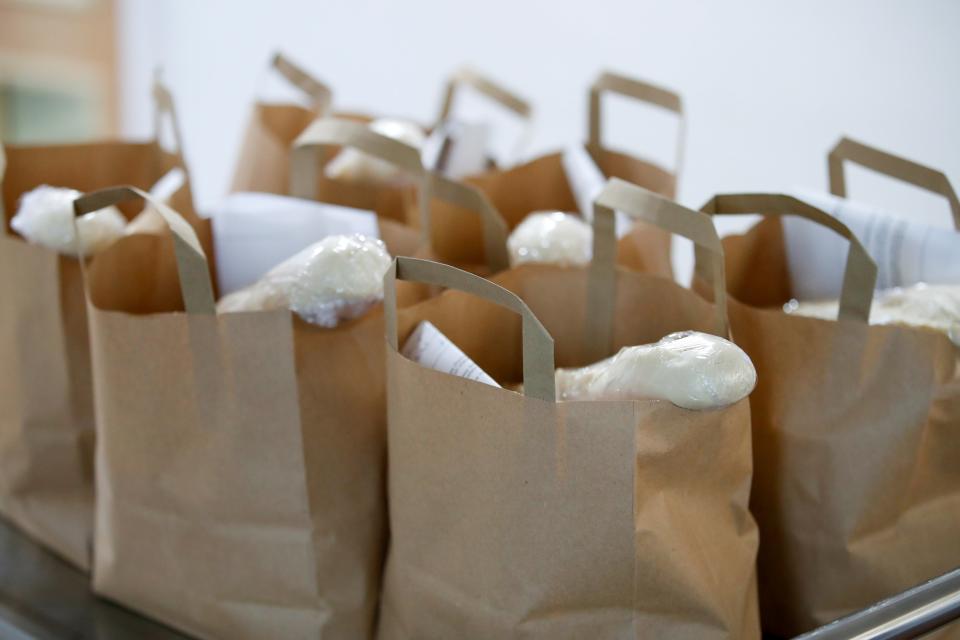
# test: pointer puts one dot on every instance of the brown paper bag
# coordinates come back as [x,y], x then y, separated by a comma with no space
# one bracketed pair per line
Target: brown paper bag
[324,138]
[311,151]
[513,515]
[856,434]
[541,184]
[263,163]
[46,403]
[450,193]
[431,189]
[466,77]
[240,457]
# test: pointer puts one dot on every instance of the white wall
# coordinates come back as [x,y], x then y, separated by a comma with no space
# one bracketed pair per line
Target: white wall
[768,86]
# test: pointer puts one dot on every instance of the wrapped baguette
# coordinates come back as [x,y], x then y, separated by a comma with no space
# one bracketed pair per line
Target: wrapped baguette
[353,165]
[692,370]
[45,217]
[551,237]
[336,279]
[931,306]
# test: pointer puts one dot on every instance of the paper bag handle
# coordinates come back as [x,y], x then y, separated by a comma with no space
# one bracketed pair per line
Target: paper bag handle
[320,94]
[466,76]
[644,205]
[538,367]
[860,273]
[308,151]
[195,284]
[609,82]
[847,150]
[164,109]
[495,229]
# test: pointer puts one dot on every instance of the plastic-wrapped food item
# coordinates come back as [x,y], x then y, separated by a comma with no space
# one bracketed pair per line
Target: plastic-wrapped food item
[45,217]
[692,370]
[253,232]
[551,237]
[336,279]
[353,165]
[921,305]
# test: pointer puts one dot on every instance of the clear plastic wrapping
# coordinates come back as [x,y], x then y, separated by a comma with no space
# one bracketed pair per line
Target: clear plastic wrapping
[692,370]
[336,279]
[551,237]
[45,217]
[353,165]
[932,306]
[253,232]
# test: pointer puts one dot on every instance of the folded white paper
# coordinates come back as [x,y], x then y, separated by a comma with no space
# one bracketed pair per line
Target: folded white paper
[457,149]
[586,182]
[429,347]
[905,252]
[254,232]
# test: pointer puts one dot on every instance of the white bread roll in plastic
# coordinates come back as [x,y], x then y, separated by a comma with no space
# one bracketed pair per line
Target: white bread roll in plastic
[353,165]
[45,217]
[336,279]
[692,370]
[551,237]
[932,306]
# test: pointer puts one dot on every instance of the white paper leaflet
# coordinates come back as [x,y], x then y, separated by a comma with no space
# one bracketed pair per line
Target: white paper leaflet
[429,347]
[586,182]
[457,149]
[905,252]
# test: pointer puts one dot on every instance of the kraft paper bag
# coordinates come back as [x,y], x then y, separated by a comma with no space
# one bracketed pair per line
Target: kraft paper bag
[432,189]
[322,134]
[513,515]
[324,137]
[542,185]
[312,151]
[443,191]
[499,95]
[263,162]
[856,434]
[46,403]
[240,457]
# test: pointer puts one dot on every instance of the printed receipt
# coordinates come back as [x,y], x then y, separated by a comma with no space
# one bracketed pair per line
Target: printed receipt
[429,347]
